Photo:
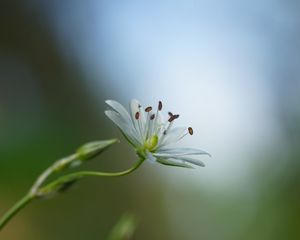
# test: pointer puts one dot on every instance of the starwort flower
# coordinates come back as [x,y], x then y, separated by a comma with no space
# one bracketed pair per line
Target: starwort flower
[151,135]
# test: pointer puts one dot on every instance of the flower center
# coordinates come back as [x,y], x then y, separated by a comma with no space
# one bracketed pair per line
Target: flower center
[151,143]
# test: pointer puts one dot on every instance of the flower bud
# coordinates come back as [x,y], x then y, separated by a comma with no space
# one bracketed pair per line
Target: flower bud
[58,187]
[85,152]
[92,149]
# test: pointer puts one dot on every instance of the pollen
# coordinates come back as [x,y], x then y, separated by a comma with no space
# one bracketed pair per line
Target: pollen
[173,117]
[148,109]
[152,116]
[137,115]
[160,106]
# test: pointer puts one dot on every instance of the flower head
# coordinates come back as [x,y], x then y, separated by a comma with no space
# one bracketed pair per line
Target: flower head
[152,136]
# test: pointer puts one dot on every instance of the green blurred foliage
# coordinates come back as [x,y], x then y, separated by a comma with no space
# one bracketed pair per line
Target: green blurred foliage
[125,228]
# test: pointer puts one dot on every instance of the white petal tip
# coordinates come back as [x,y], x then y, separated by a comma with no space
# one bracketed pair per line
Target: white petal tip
[109,102]
[107,112]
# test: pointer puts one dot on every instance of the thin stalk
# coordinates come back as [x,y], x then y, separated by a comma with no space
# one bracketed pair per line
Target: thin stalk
[78,175]
[49,171]
[15,209]
[37,190]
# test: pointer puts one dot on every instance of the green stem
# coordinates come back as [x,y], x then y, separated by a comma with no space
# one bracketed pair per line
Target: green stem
[49,171]
[78,175]
[15,209]
[37,190]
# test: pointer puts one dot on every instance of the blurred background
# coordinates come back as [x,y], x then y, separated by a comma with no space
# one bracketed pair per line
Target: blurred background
[230,68]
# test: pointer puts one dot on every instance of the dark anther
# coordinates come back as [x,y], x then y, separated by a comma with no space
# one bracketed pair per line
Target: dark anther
[170,114]
[159,106]
[148,109]
[165,132]
[191,132]
[173,117]
[140,106]
[137,115]
[152,116]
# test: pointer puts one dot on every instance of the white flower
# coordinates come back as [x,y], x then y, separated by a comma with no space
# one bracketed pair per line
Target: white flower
[151,136]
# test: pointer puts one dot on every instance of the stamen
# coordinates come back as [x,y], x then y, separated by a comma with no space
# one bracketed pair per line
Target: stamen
[191,131]
[173,117]
[148,109]
[169,127]
[165,132]
[162,139]
[150,124]
[157,126]
[186,133]
[137,115]
[160,106]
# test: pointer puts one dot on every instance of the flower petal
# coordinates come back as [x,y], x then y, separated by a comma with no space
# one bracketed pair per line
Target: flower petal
[125,126]
[119,108]
[143,122]
[173,136]
[135,107]
[191,160]
[159,124]
[169,152]
[173,162]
